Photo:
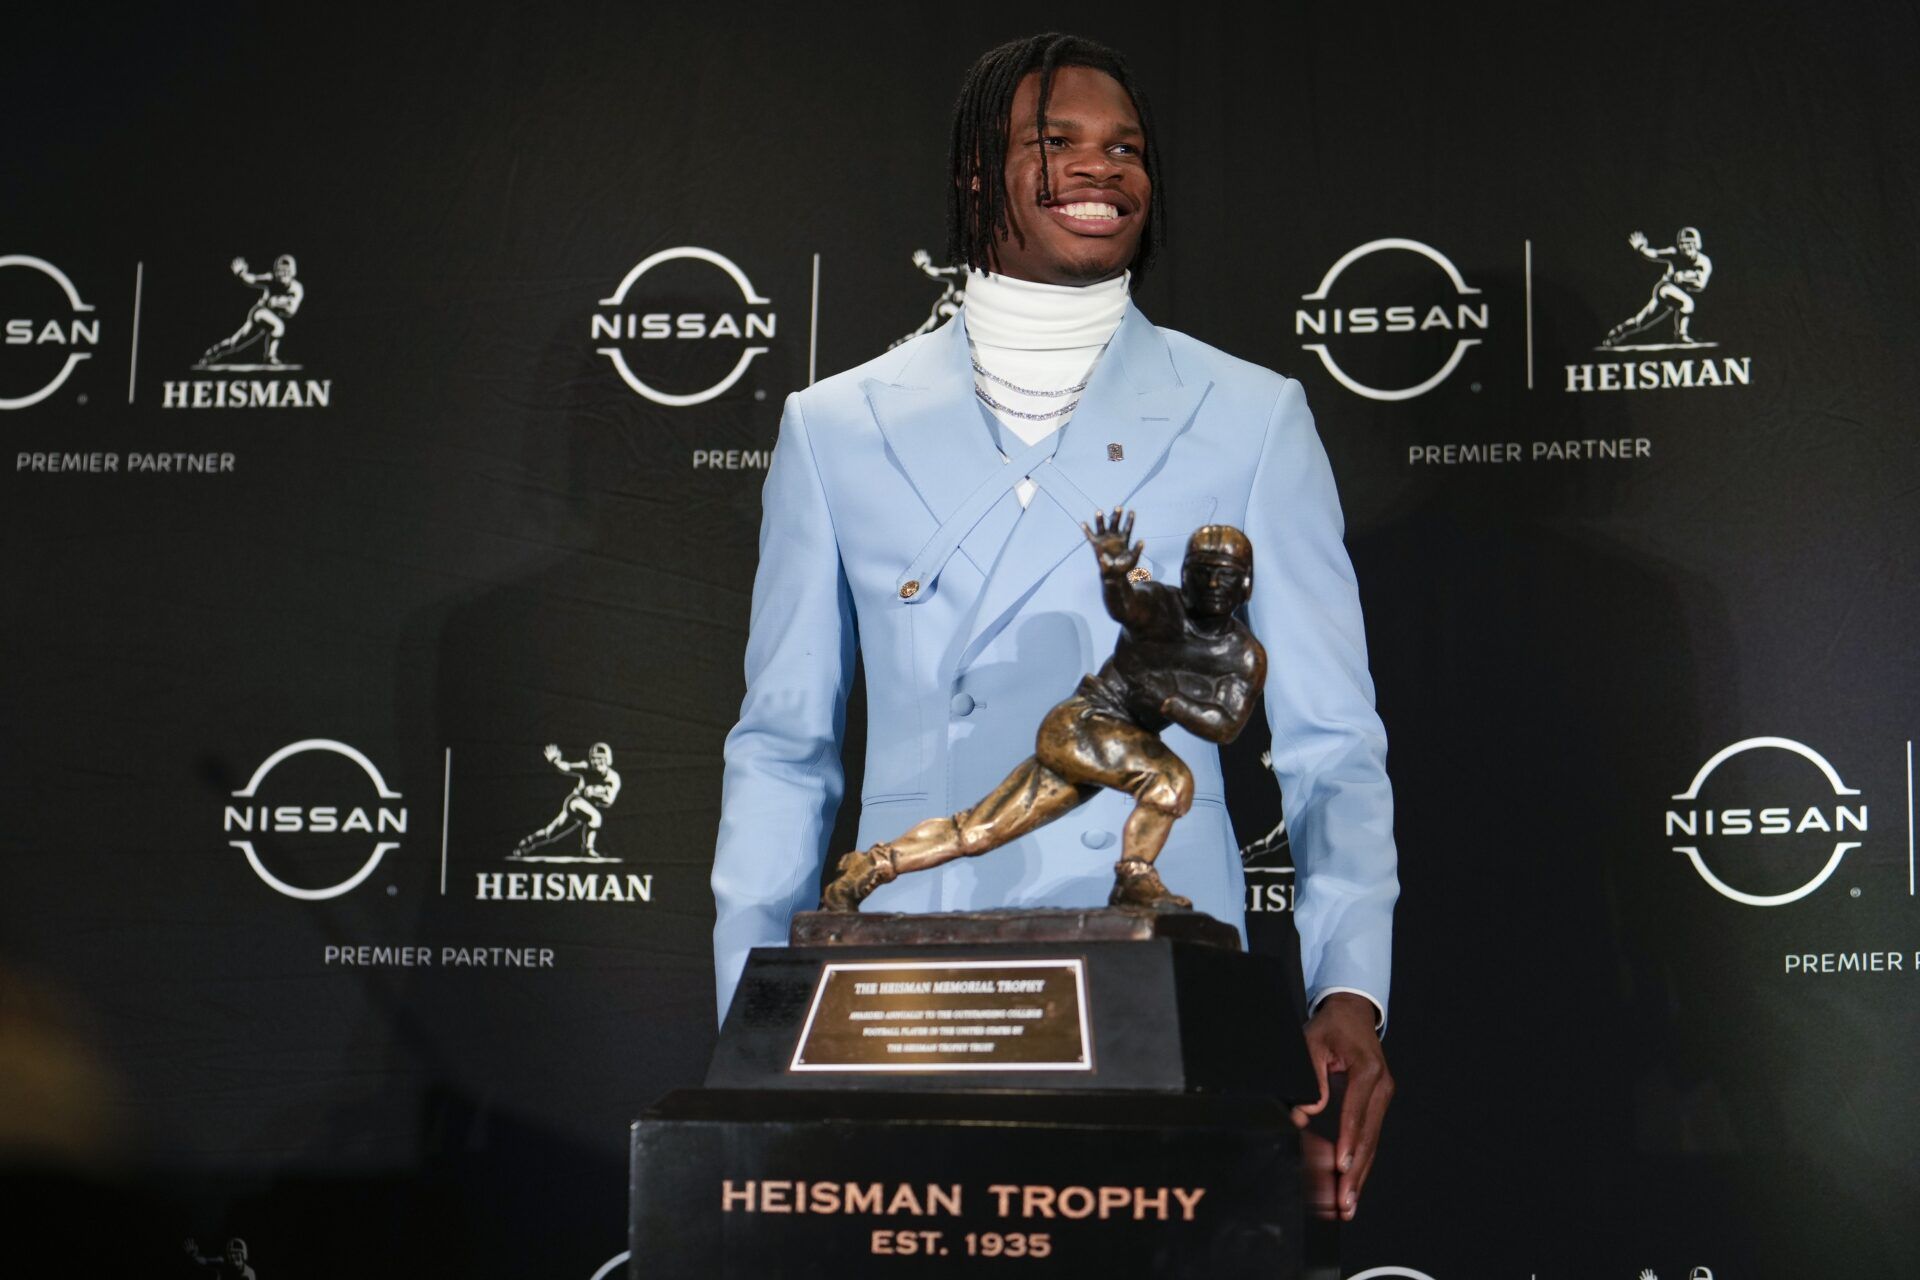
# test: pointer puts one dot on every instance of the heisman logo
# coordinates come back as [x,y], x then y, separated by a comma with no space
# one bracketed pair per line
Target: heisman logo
[1398,318]
[72,336]
[1684,274]
[953,294]
[1767,822]
[675,326]
[319,819]
[281,294]
[1687,271]
[255,347]
[596,786]
[572,835]
[1267,860]
[231,1261]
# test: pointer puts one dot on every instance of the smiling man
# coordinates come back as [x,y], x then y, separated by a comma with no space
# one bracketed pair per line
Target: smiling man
[927,507]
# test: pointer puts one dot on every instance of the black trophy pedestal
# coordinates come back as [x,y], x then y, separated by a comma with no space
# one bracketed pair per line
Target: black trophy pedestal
[1070,1091]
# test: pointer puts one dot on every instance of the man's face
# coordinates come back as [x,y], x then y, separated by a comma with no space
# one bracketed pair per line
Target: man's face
[1213,587]
[1096,156]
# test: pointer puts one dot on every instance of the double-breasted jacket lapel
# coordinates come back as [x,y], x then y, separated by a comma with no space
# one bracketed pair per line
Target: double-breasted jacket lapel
[932,423]
[1134,408]
[1135,401]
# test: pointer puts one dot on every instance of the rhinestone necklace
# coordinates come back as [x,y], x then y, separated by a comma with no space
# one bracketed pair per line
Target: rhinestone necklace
[997,407]
[1014,386]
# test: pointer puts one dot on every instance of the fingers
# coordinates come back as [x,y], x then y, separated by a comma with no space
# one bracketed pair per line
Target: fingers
[1369,1090]
[1117,524]
[1318,1052]
[1139,549]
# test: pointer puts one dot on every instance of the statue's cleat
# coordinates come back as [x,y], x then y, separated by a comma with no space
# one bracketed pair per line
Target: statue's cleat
[860,873]
[1137,884]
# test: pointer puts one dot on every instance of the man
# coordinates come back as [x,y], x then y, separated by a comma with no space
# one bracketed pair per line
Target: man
[280,297]
[930,504]
[596,787]
[1685,278]
[1182,658]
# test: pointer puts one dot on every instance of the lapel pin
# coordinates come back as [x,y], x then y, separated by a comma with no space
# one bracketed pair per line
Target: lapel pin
[1116,454]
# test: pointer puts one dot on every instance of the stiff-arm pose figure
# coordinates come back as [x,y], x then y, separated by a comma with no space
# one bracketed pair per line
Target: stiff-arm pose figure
[1686,276]
[1182,658]
[280,297]
[594,791]
[953,292]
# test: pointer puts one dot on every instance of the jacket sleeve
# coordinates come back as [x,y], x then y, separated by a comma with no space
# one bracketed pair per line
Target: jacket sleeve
[783,779]
[1329,747]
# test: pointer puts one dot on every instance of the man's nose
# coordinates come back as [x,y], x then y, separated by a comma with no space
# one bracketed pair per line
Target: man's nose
[1091,161]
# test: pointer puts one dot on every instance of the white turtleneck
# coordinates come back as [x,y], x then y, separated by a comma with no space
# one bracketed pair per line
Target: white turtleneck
[1040,337]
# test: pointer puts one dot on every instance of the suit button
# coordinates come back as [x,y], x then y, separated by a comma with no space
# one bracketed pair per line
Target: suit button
[909,589]
[1096,839]
[962,704]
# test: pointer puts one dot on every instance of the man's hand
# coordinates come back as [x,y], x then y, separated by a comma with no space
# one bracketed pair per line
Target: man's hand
[239,266]
[1109,536]
[552,752]
[1638,239]
[1341,1037]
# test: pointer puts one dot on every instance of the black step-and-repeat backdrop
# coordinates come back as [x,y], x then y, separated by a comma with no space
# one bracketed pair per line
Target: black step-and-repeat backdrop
[386,400]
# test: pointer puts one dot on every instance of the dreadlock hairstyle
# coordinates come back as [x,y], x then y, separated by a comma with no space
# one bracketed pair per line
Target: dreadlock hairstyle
[977,157]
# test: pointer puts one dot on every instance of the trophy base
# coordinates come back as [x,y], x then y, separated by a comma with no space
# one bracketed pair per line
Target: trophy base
[750,1183]
[1009,925]
[1059,1001]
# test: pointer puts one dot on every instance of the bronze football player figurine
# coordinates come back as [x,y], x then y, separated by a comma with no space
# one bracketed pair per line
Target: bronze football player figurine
[1182,658]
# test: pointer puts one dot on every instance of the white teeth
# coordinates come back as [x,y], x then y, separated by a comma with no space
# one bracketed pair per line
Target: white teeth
[1089,209]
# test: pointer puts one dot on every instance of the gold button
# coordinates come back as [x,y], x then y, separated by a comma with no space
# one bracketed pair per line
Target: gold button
[1139,573]
[909,589]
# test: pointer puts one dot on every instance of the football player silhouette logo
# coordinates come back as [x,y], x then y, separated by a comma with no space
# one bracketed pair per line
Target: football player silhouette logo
[1676,293]
[953,293]
[596,786]
[279,300]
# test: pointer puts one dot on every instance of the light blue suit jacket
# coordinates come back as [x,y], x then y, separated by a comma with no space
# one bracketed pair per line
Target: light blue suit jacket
[887,474]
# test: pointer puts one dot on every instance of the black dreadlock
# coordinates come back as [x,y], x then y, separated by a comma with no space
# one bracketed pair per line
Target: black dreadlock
[982,129]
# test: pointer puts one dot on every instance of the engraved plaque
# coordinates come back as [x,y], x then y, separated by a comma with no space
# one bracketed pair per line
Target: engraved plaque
[947,1015]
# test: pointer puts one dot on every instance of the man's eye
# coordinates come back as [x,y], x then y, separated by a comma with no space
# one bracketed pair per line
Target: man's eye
[1055,141]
